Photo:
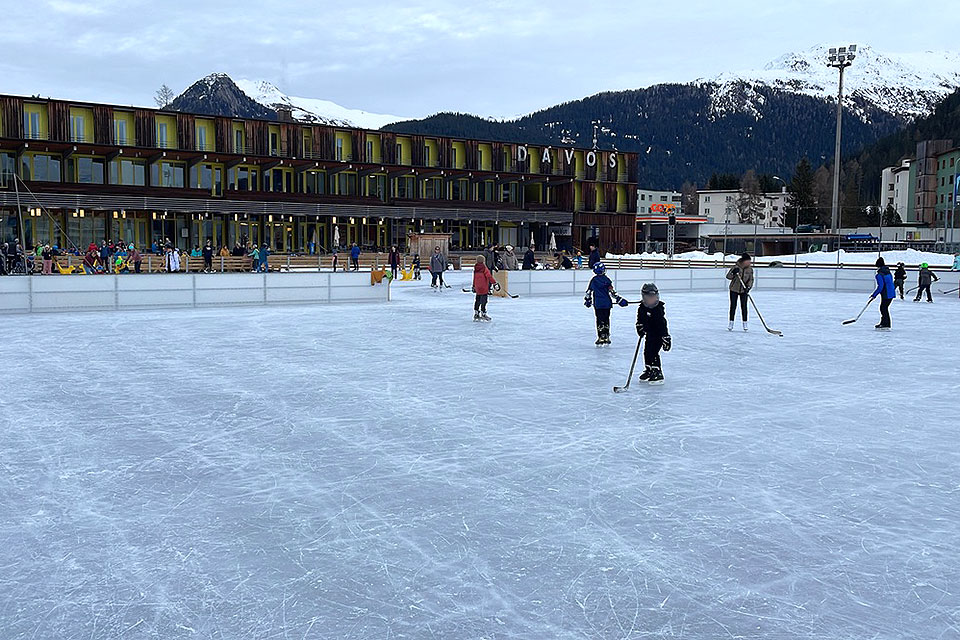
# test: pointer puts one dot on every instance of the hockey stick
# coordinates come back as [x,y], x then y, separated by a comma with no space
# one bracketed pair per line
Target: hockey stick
[633,365]
[909,290]
[954,290]
[852,320]
[754,304]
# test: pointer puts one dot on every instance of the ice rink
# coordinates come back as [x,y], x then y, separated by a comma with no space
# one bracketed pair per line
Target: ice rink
[399,471]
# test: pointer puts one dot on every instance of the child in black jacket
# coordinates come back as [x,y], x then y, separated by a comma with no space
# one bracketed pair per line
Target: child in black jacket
[652,323]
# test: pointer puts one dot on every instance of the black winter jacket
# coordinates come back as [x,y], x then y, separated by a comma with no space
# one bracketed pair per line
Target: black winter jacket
[653,321]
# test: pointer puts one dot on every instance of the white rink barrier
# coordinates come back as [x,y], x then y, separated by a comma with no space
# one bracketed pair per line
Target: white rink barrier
[628,282]
[20,294]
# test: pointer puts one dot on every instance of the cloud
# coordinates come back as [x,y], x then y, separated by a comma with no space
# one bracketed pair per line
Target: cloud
[76,8]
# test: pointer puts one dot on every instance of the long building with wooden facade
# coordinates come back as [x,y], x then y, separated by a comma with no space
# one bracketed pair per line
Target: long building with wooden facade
[96,171]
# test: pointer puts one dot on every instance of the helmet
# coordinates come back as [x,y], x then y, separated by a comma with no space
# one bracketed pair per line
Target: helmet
[650,295]
[924,265]
[599,268]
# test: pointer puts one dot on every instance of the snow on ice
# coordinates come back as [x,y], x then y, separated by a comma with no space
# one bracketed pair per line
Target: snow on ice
[398,471]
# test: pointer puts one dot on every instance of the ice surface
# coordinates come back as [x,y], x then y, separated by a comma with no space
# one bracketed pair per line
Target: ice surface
[398,471]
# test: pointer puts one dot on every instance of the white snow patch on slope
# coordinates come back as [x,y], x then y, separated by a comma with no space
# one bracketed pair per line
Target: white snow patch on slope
[314,109]
[908,85]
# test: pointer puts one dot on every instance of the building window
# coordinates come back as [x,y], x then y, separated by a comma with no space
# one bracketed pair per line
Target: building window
[274,144]
[706,198]
[40,167]
[399,153]
[339,155]
[168,174]
[127,172]
[890,187]
[76,129]
[426,156]
[480,159]
[201,139]
[369,150]
[663,198]
[120,132]
[453,159]
[85,170]
[31,125]
[162,135]
[238,141]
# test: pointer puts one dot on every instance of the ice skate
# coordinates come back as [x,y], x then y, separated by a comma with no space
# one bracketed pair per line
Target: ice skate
[730,326]
[485,317]
[645,376]
[745,325]
[476,316]
[656,376]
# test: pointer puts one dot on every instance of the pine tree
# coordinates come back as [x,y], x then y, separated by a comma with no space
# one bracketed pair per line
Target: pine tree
[749,202]
[801,203]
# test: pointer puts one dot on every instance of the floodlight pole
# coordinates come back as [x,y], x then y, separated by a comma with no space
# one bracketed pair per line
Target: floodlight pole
[839,58]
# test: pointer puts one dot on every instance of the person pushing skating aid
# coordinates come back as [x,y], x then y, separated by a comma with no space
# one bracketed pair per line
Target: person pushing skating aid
[601,295]
[652,325]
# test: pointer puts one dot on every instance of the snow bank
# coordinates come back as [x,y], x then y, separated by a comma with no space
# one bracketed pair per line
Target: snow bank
[909,257]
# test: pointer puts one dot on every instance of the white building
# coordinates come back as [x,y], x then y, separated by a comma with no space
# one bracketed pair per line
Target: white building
[895,189]
[720,207]
[648,197]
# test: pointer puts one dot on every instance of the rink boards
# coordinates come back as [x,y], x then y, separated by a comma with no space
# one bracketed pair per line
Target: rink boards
[113,292]
[626,281]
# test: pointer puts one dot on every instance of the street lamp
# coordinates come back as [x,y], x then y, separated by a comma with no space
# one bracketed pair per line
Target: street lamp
[839,58]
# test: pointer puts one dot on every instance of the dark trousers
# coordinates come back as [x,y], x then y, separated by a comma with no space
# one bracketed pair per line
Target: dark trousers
[899,285]
[356,263]
[435,278]
[651,351]
[334,262]
[393,270]
[208,263]
[742,297]
[136,267]
[924,287]
[480,303]
[885,311]
[603,322]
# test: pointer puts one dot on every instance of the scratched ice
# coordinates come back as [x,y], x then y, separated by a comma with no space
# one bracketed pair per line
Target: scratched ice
[397,471]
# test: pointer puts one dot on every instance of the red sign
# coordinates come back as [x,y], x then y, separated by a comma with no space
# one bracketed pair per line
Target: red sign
[663,208]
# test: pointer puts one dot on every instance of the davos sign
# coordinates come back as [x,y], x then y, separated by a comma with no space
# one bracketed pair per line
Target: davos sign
[590,158]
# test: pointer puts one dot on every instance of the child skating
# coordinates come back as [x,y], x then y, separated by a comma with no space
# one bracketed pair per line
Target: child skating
[482,281]
[601,295]
[652,325]
[924,279]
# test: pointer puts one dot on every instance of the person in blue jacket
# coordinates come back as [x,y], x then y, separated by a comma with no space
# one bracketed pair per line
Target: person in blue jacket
[887,292]
[601,295]
[355,257]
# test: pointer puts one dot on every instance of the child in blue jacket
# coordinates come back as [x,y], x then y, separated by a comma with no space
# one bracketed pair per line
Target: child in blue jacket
[601,295]
[887,292]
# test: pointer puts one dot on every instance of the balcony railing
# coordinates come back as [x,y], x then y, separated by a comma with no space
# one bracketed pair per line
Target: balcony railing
[166,144]
[35,135]
[82,139]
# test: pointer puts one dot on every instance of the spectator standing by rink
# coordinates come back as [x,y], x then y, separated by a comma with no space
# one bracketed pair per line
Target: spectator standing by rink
[135,258]
[887,293]
[355,257]
[924,279]
[208,256]
[47,255]
[899,277]
[594,255]
[741,281]
[490,257]
[105,256]
[265,257]
[438,264]
[509,259]
[173,259]
[255,256]
[394,258]
[529,259]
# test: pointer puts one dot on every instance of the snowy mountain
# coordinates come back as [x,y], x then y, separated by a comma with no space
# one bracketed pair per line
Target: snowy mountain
[217,95]
[314,109]
[903,85]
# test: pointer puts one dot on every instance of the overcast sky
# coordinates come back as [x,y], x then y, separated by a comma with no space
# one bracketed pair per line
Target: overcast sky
[415,58]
